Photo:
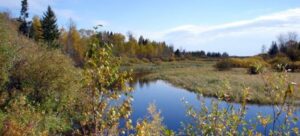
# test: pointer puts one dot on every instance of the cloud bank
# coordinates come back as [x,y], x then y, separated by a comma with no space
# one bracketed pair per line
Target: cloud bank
[238,38]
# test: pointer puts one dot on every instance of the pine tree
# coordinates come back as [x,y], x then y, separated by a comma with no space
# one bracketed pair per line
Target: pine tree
[36,31]
[23,28]
[50,28]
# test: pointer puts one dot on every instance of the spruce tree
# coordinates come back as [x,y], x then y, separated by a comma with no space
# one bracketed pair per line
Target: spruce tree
[141,40]
[274,50]
[50,28]
[177,53]
[23,28]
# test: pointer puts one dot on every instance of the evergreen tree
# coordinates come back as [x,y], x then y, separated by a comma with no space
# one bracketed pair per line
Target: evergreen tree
[225,55]
[36,31]
[274,49]
[23,28]
[50,28]
[202,53]
[208,54]
[141,40]
[177,53]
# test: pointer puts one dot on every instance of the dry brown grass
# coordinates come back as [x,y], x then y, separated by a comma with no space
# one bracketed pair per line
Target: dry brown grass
[200,76]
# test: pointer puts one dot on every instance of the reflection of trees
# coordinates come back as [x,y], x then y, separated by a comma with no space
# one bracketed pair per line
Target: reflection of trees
[138,79]
[143,82]
[199,96]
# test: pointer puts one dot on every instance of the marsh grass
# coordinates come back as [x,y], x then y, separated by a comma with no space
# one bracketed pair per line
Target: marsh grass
[201,76]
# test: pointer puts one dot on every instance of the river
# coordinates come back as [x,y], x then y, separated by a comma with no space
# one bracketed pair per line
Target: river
[168,99]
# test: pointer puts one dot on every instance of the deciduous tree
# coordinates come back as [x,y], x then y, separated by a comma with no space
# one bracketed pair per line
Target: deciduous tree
[36,31]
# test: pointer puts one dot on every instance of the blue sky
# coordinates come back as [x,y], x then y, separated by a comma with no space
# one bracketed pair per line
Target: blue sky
[239,27]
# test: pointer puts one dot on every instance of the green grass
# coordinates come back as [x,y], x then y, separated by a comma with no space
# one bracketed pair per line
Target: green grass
[200,76]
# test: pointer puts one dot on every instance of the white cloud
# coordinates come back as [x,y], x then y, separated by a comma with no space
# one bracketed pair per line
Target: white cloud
[240,38]
[286,17]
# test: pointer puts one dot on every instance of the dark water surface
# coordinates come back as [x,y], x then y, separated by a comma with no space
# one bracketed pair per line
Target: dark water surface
[168,99]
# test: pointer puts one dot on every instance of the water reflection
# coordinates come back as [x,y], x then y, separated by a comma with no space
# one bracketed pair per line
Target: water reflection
[168,100]
[139,80]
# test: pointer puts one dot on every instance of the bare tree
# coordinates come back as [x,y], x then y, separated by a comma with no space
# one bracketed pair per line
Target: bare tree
[283,38]
[292,36]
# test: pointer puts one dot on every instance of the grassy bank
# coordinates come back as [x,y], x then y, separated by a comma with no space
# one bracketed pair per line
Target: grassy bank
[200,76]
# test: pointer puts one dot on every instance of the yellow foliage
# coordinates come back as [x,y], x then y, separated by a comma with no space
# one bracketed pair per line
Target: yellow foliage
[247,62]
[73,44]
[36,31]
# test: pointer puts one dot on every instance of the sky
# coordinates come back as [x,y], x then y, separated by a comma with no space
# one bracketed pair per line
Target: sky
[239,27]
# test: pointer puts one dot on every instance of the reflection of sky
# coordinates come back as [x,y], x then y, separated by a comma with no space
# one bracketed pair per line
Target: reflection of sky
[168,100]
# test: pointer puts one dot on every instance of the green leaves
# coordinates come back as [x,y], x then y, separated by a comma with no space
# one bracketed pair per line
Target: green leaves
[103,85]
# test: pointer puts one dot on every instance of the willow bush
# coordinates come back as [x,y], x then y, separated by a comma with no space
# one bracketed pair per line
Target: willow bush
[103,84]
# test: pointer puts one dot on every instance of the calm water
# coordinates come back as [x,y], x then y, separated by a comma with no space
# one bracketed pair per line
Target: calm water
[168,98]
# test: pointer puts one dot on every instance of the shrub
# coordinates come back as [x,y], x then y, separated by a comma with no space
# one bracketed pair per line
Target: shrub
[211,119]
[40,87]
[145,60]
[247,62]
[6,55]
[156,61]
[48,82]
[223,65]
[293,66]
[282,63]
[134,61]
[104,84]
[256,69]
[151,125]
[172,59]
[279,60]
[279,63]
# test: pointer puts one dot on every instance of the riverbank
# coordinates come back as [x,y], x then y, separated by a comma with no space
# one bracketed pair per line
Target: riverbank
[200,76]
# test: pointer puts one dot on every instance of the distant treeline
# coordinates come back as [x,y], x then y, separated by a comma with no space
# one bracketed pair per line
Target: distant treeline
[139,48]
[146,48]
[75,43]
[283,55]
[200,54]
[287,45]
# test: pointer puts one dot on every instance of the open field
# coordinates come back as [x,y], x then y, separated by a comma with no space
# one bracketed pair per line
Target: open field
[200,76]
